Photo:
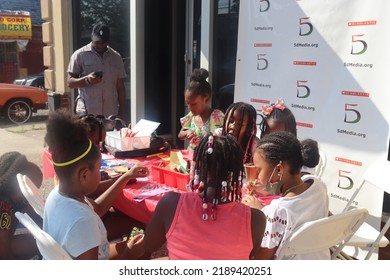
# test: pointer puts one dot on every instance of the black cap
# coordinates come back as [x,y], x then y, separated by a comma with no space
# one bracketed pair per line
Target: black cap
[100,32]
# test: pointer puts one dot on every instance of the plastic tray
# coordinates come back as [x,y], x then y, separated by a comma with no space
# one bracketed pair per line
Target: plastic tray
[114,140]
[168,177]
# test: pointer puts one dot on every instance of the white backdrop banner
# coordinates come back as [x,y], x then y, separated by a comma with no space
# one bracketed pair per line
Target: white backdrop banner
[329,61]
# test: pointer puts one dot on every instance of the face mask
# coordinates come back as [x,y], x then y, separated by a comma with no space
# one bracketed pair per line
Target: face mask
[274,188]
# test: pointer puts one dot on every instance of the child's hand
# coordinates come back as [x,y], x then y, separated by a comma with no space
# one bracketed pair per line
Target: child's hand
[137,171]
[253,188]
[252,202]
[136,246]
[190,134]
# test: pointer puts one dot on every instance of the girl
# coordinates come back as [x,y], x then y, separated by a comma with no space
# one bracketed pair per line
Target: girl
[201,119]
[70,217]
[277,117]
[16,246]
[311,156]
[240,122]
[209,223]
[278,160]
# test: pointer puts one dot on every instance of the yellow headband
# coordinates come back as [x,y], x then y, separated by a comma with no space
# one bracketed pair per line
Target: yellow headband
[75,159]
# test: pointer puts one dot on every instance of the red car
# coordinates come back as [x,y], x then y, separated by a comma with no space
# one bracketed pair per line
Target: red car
[18,102]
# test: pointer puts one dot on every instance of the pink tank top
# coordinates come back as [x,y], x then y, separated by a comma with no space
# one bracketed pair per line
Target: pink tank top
[190,237]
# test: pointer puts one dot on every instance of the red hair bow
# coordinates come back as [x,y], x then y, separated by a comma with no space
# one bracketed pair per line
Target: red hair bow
[279,104]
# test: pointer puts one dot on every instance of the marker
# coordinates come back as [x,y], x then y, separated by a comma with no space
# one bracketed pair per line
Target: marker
[183,170]
[154,155]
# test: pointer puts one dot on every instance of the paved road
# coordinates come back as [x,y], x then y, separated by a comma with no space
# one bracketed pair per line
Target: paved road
[27,139]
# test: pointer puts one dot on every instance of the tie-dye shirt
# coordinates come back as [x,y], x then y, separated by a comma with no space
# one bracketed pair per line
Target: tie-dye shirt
[215,121]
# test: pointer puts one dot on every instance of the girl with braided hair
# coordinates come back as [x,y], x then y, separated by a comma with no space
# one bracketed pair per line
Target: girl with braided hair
[201,118]
[277,117]
[21,246]
[70,217]
[240,122]
[278,159]
[209,222]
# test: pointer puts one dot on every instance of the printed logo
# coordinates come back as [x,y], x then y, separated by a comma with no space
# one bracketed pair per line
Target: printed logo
[302,124]
[348,182]
[355,93]
[351,115]
[306,63]
[305,28]
[264,5]
[262,63]
[362,23]
[256,100]
[358,46]
[303,91]
[349,161]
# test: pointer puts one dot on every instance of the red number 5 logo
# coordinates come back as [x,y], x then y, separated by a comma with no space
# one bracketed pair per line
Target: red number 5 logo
[349,185]
[358,44]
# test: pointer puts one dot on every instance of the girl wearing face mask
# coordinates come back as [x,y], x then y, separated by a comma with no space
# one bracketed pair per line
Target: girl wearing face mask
[278,160]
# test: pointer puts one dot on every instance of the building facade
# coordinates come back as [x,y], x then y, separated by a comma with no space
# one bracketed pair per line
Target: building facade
[161,42]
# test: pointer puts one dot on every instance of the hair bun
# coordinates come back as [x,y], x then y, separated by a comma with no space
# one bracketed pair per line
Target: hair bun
[199,75]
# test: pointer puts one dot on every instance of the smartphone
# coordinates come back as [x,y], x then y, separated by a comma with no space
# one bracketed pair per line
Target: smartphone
[98,74]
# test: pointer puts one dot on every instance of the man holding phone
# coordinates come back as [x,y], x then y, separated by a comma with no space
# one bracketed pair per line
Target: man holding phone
[97,71]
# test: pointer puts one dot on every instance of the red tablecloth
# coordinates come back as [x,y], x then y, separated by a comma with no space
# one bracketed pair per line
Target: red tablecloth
[139,210]
[142,210]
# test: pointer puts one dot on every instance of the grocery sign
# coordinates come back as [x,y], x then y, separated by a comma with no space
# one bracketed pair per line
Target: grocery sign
[15,26]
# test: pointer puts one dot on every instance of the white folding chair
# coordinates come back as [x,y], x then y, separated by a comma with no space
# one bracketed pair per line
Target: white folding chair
[31,193]
[319,169]
[333,231]
[47,246]
[367,236]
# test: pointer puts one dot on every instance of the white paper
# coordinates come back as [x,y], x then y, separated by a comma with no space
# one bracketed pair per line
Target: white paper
[145,127]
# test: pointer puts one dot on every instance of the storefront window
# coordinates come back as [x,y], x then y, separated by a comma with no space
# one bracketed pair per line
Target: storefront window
[228,7]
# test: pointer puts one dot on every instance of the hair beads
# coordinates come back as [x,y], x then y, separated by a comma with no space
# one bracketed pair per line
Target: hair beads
[224,192]
[214,209]
[205,216]
[210,148]
[218,164]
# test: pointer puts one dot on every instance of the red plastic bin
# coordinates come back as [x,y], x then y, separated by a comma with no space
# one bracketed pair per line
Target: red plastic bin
[158,172]
[168,177]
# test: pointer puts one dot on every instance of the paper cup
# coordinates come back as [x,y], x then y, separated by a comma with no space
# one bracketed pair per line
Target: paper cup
[250,172]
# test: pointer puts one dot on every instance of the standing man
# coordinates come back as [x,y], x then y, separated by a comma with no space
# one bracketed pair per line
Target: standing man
[98,71]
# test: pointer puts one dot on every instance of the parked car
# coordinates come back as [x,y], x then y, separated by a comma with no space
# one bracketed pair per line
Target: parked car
[34,81]
[18,102]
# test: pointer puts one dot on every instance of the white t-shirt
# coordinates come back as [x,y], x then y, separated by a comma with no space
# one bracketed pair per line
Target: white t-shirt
[74,225]
[286,213]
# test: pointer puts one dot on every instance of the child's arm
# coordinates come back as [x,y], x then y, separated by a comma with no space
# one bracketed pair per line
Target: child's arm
[106,199]
[91,254]
[183,134]
[160,222]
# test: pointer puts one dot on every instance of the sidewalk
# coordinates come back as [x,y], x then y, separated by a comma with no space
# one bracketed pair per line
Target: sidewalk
[27,139]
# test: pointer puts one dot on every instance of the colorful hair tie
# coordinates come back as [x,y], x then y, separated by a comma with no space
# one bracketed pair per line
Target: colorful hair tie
[75,159]
[279,104]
